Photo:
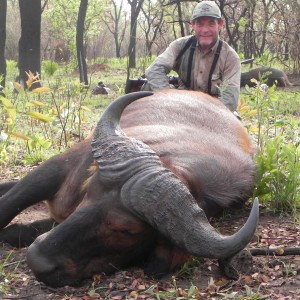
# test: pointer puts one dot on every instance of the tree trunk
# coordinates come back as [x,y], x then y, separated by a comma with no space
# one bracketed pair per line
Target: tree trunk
[154,20]
[117,14]
[112,22]
[3,6]
[286,51]
[135,10]
[81,56]
[30,40]
[181,25]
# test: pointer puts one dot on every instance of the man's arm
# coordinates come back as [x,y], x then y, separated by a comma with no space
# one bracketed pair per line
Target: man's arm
[230,88]
[157,72]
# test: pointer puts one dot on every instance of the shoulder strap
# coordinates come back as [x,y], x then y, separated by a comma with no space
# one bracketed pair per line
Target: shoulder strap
[190,63]
[213,65]
[191,43]
[186,46]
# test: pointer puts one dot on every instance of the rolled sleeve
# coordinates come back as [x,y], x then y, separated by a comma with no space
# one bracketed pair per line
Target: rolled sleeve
[230,87]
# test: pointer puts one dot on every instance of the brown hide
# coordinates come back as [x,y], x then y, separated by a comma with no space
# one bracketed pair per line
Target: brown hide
[271,75]
[160,123]
[189,128]
[76,163]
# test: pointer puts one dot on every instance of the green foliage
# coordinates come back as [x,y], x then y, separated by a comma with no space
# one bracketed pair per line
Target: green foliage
[49,67]
[61,18]
[277,139]
[243,22]
[11,65]
[187,269]
[8,275]
[289,104]
[43,119]
[7,124]
[265,59]
[115,63]
[278,177]
[3,276]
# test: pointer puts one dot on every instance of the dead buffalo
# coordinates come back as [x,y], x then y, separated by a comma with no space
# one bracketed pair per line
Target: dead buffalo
[139,192]
[271,75]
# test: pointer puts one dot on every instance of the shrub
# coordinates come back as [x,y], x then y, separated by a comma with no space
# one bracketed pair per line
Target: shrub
[42,118]
[49,67]
[277,138]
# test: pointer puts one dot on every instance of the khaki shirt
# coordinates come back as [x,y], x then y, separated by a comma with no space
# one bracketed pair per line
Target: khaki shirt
[226,77]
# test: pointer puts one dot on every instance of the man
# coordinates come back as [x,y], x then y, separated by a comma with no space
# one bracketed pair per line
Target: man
[203,62]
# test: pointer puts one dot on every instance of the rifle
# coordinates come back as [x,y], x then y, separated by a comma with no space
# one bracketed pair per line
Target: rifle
[135,85]
[247,61]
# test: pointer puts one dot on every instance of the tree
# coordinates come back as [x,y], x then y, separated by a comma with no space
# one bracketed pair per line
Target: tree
[235,21]
[30,40]
[112,21]
[180,21]
[136,6]
[81,56]
[61,19]
[288,25]
[153,23]
[3,7]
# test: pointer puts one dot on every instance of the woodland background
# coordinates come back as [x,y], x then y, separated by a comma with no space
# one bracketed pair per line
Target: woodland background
[85,31]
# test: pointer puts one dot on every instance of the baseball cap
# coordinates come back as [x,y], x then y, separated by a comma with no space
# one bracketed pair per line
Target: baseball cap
[206,9]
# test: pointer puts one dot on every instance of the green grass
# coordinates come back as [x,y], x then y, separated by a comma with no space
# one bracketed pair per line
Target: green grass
[10,275]
[289,103]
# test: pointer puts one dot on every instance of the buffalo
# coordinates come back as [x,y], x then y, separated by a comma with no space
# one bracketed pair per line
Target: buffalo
[139,192]
[270,75]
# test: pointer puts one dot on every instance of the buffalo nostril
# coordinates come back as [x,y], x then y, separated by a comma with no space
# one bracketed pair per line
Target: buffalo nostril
[37,262]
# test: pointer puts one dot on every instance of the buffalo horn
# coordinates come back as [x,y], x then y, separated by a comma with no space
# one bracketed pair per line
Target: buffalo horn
[154,194]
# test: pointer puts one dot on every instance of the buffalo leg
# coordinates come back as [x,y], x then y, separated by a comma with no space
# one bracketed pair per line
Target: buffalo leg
[40,184]
[6,186]
[22,235]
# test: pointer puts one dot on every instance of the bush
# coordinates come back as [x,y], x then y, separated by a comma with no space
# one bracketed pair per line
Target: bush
[276,135]
[49,67]
[43,119]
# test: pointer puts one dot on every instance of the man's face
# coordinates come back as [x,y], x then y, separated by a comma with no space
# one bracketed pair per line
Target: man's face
[207,31]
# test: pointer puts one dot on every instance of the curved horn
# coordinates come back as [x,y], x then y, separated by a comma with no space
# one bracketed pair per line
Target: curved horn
[109,122]
[117,155]
[155,194]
